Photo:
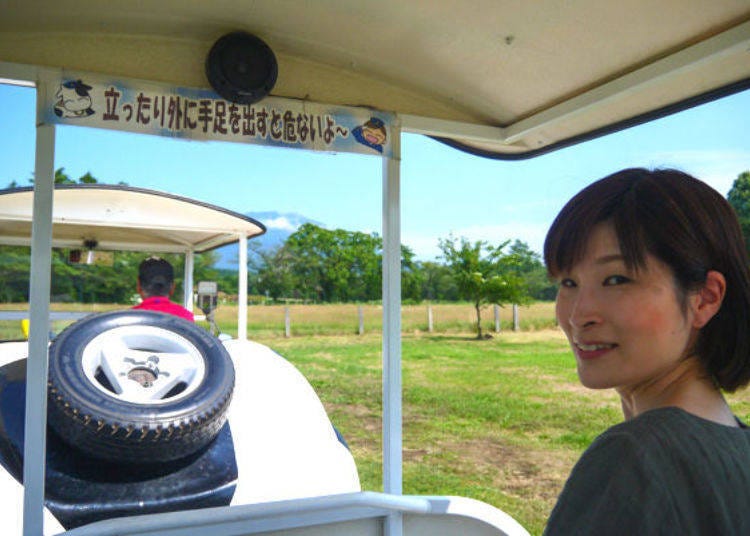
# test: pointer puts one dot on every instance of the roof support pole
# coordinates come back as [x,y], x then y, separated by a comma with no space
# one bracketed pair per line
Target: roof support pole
[392,455]
[36,367]
[187,281]
[242,290]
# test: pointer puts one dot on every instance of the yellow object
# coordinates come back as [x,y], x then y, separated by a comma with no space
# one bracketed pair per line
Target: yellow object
[25,327]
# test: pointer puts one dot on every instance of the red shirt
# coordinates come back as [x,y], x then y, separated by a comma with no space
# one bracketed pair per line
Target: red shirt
[162,304]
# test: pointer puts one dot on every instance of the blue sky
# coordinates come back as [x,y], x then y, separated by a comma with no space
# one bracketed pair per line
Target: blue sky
[444,191]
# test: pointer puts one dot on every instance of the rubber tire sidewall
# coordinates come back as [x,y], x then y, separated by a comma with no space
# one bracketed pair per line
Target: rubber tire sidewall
[115,430]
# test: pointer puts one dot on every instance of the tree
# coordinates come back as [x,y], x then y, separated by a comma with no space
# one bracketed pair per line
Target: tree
[529,266]
[14,284]
[63,178]
[326,265]
[273,271]
[437,282]
[323,265]
[739,198]
[412,277]
[87,178]
[307,266]
[483,273]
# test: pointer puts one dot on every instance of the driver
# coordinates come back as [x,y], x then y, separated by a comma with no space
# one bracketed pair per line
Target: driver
[156,285]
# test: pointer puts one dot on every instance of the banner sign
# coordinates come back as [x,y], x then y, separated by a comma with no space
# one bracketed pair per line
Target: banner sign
[90,100]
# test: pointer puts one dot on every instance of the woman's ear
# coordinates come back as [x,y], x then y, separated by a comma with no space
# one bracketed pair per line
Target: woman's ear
[707,301]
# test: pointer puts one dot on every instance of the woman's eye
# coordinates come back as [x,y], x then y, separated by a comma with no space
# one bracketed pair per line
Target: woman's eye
[567,283]
[616,280]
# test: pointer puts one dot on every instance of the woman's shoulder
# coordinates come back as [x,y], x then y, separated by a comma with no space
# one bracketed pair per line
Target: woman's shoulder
[612,489]
[665,436]
[639,476]
[664,451]
[672,424]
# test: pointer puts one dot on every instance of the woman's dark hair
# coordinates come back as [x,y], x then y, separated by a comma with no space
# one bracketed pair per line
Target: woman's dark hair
[687,225]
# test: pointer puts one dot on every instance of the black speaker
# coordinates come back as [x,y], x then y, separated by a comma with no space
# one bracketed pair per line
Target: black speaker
[241,68]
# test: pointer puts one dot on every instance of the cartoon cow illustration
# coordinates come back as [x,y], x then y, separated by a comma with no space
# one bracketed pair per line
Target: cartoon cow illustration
[73,100]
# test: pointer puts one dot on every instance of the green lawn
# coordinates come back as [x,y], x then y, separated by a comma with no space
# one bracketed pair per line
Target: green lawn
[500,420]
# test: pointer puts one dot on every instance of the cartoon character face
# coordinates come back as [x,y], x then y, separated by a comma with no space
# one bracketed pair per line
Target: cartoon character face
[73,99]
[371,134]
[374,136]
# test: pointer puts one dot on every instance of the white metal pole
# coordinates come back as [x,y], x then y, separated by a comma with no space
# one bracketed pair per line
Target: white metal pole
[242,290]
[36,366]
[392,438]
[187,281]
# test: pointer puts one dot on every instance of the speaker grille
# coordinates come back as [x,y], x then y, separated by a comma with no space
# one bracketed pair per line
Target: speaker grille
[241,68]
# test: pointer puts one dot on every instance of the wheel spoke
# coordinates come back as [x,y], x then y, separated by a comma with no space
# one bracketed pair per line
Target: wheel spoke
[173,369]
[143,366]
[134,391]
[114,351]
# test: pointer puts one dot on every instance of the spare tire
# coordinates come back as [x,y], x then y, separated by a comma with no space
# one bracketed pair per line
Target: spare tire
[138,386]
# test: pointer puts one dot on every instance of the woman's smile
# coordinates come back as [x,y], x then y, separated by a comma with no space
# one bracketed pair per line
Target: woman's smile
[626,327]
[592,350]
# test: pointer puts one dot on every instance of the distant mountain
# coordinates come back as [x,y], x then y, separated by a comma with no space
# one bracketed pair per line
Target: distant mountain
[278,228]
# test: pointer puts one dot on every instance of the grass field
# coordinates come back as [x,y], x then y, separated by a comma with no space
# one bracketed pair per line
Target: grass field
[502,420]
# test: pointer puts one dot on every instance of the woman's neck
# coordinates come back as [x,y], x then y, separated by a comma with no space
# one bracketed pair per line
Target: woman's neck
[686,386]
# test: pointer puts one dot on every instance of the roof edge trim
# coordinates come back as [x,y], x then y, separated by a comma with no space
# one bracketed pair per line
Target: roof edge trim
[670,109]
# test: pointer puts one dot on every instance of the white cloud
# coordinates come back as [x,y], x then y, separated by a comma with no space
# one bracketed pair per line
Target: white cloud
[280,222]
[718,168]
[426,246]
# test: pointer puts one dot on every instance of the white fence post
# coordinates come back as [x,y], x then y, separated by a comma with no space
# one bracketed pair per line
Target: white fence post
[497,318]
[429,319]
[515,317]
[361,316]
[287,323]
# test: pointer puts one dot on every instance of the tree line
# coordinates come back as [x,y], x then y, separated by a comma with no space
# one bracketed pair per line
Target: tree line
[318,265]
[313,265]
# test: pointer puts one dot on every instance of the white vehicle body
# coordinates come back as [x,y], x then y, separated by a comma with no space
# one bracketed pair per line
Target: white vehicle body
[284,443]
[502,79]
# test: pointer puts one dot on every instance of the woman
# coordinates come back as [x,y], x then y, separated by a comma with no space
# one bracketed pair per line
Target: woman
[654,298]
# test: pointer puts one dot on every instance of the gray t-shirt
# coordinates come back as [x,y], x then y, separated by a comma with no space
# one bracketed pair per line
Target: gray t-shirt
[664,472]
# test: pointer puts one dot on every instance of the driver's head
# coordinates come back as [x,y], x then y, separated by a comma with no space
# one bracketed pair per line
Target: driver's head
[155,277]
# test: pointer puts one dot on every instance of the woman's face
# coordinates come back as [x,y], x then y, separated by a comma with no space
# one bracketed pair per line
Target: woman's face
[626,328]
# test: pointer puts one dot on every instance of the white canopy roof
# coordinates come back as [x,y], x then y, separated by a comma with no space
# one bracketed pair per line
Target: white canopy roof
[124,218]
[503,78]
[508,76]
